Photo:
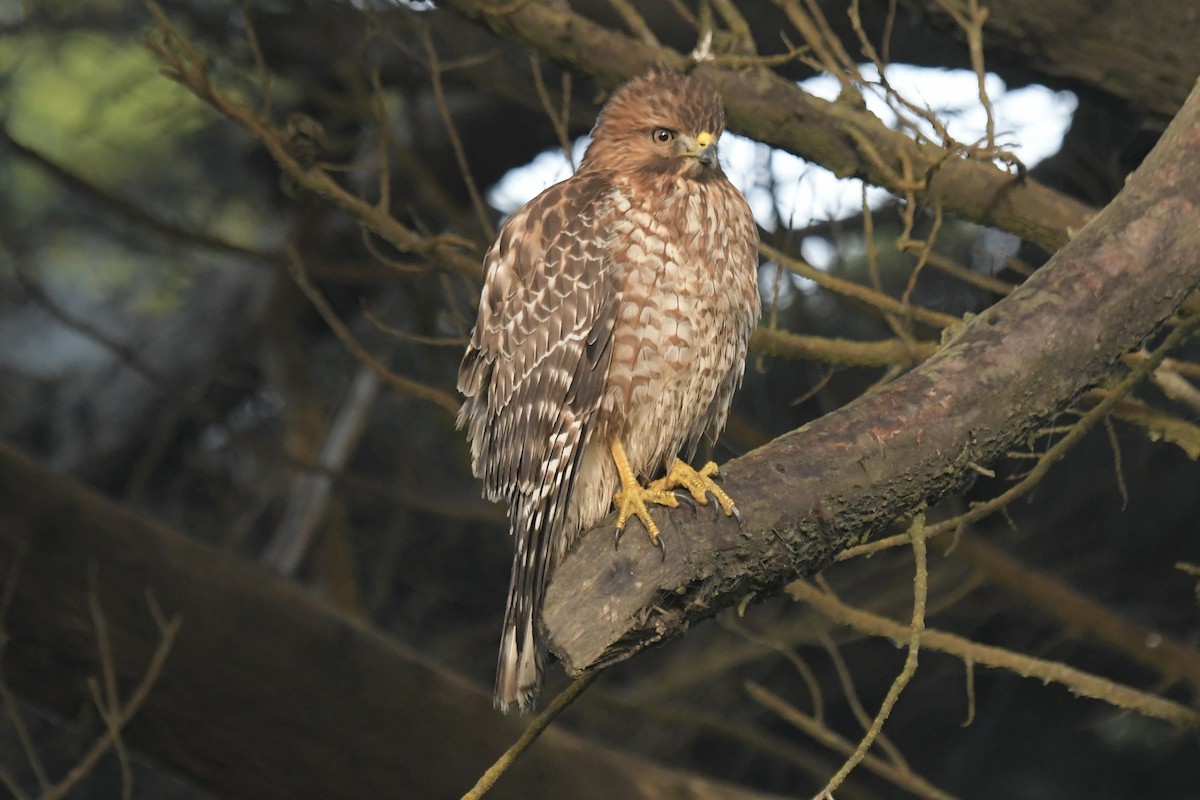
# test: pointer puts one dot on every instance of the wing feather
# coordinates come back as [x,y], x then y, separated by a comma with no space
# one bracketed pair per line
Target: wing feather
[534,375]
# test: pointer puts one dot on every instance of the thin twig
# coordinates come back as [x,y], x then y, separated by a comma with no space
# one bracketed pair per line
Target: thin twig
[460,152]
[916,631]
[443,399]
[634,21]
[106,699]
[10,701]
[856,291]
[846,679]
[558,121]
[260,63]
[782,648]
[457,342]
[187,66]
[123,715]
[841,352]
[112,203]
[1078,682]
[539,724]
[379,108]
[969,675]
[905,779]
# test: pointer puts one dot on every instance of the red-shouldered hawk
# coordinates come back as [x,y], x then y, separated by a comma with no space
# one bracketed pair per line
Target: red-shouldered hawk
[612,332]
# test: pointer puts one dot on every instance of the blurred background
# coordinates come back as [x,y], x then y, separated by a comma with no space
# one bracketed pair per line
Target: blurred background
[156,345]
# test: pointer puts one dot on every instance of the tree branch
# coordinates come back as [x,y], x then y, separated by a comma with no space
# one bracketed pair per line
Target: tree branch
[1146,60]
[810,493]
[840,135]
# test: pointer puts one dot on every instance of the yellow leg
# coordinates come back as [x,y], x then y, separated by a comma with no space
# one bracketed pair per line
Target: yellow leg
[632,498]
[699,484]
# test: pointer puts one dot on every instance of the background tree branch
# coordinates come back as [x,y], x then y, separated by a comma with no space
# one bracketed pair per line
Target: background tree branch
[841,136]
[251,709]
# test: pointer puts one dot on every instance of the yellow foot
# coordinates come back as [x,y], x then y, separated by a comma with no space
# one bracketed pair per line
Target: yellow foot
[632,502]
[632,498]
[700,485]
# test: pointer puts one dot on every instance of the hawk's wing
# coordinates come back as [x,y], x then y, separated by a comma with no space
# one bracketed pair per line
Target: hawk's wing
[534,375]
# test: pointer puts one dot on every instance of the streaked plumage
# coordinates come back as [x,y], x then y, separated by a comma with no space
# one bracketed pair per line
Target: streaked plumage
[616,307]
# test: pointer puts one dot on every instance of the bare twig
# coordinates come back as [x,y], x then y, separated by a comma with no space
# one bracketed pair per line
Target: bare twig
[916,630]
[106,699]
[841,352]
[460,153]
[120,715]
[1077,681]
[634,21]
[558,120]
[539,724]
[952,268]
[10,701]
[406,385]
[110,202]
[903,778]
[190,68]
[260,63]
[846,679]
[784,649]
[971,20]
[857,291]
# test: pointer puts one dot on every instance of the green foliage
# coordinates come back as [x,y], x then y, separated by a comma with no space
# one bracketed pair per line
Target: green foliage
[97,105]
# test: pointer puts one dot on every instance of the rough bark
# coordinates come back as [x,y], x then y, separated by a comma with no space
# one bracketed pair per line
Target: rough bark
[267,693]
[811,492]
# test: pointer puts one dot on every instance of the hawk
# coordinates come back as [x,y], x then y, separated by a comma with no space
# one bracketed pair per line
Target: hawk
[612,332]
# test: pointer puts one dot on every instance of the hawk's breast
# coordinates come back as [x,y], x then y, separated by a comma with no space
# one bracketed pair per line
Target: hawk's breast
[687,262]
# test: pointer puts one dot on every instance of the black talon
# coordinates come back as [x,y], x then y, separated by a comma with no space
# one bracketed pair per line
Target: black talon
[715,503]
[687,499]
[617,540]
[662,547]
[737,515]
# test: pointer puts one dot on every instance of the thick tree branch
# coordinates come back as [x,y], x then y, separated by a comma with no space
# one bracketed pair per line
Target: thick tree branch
[841,136]
[809,493]
[1148,60]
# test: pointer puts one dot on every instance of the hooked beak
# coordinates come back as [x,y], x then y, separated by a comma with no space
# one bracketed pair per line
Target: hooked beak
[704,151]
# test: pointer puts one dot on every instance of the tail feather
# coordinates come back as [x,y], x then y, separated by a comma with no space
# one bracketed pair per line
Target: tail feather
[520,666]
[539,520]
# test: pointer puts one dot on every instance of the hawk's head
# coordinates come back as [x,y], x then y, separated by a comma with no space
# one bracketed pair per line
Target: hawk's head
[662,122]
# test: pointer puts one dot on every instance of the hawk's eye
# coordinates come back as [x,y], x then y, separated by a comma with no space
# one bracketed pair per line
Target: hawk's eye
[662,135]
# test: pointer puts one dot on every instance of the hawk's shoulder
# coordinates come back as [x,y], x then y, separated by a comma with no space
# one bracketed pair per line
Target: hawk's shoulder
[544,251]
